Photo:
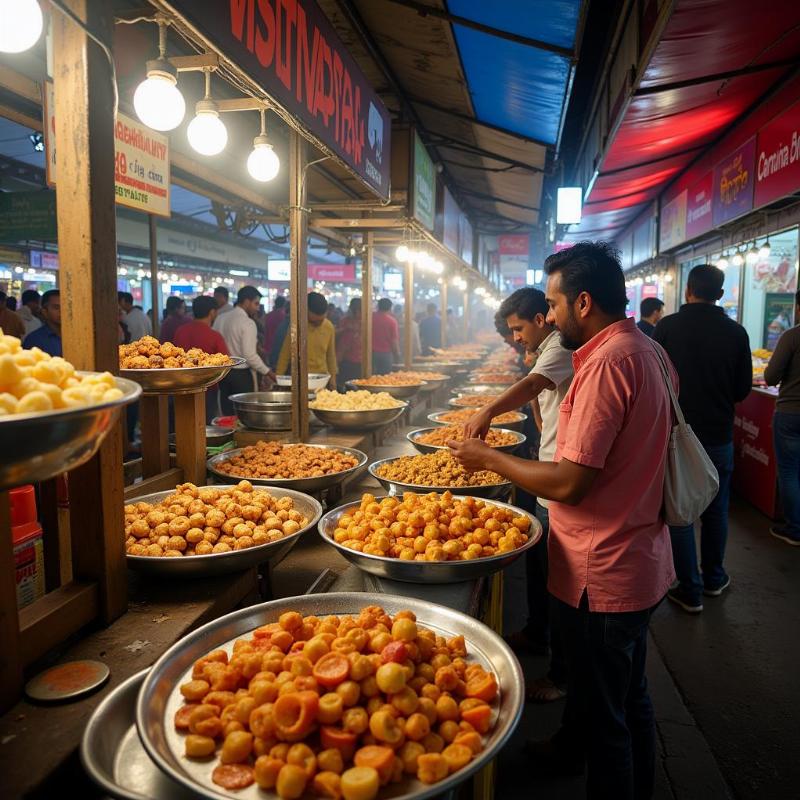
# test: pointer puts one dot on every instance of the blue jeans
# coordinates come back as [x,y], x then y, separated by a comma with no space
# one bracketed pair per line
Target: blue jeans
[786,432]
[713,536]
[609,715]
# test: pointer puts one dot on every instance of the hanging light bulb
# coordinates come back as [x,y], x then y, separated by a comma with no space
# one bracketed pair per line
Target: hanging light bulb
[722,262]
[158,102]
[738,259]
[22,25]
[752,254]
[401,254]
[764,250]
[263,163]
[207,133]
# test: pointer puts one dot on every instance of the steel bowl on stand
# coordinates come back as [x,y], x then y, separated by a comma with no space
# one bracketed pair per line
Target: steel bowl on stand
[264,411]
[414,438]
[398,392]
[179,380]
[359,420]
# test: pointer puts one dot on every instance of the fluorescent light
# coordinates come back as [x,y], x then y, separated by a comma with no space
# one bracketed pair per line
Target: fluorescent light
[538,275]
[242,273]
[568,205]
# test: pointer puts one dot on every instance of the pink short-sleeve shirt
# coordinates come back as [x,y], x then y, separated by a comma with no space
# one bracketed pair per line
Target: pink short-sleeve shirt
[616,417]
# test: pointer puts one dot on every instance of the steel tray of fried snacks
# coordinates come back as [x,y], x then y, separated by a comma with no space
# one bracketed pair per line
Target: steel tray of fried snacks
[414,438]
[159,697]
[314,484]
[179,380]
[235,560]
[366,420]
[516,425]
[398,392]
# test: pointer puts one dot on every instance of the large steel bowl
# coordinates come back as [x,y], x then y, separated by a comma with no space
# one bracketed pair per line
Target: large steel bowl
[427,571]
[38,446]
[481,388]
[432,384]
[179,380]
[159,697]
[316,380]
[360,420]
[398,392]
[453,401]
[236,560]
[264,411]
[516,425]
[414,436]
[451,368]
[298,484]
[493,490]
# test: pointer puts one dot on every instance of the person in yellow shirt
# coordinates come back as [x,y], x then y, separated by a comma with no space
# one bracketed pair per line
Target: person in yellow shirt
[321,341]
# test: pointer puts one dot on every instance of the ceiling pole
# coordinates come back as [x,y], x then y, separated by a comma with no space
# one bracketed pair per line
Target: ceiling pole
[366,307]
[408,313]
[443,312]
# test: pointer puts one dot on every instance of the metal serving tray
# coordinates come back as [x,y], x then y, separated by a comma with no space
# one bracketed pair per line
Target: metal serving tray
[236,560]
[299,484]
[428,571]
[360,420]
[179,380]
[398,392]
[413,438]
[512,426]
[159,697]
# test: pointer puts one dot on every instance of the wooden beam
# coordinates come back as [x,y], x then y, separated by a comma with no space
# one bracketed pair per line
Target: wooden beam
[366,308]
[443,312]
[20,84]
[154,302]
[190,436]
[408,315]
[298,322]
[164,482]
[84,116]
[356,222]
[154,420]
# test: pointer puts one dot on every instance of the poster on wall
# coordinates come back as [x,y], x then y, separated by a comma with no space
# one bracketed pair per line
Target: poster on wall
[778,157]
[514,252]
[699,218]
[423,202]
[672,230]
[733,184]
[28,215]
[778,317]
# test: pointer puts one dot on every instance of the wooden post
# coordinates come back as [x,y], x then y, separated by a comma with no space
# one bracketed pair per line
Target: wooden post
[10,658]
[443,312]
[155,434]
[409,314]
[190,436]
[88,281]
[298,301]
[467,291]
[366,309]
[154,276]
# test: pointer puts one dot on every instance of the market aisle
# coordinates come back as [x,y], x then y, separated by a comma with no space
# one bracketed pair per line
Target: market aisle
[736,664]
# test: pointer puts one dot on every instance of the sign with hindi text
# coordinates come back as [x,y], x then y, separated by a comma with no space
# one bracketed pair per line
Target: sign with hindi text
[141,167]
[733,184]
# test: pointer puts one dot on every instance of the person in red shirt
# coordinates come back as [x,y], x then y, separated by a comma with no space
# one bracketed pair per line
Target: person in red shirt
[176,316]
[609,548]
[348,345]
[385,338]
[272,322]
[199,333]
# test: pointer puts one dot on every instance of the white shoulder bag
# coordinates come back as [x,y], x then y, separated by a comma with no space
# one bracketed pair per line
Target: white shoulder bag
[691,481]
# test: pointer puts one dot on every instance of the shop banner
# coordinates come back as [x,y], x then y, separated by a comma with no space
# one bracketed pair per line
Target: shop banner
[44,260]
[514,254]
[341,273]
[28,215]
[141,167]
[423,201]
[733,184]
[699,218]
[778,157]
[450,215]
[672,230]
[290,50]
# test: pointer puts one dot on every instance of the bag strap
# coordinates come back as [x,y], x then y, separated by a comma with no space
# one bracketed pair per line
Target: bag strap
[676,408]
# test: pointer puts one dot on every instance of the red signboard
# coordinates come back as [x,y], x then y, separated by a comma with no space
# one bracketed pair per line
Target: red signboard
[290,50]
[342,273]
[733,184]
[514,244]
[778,157]
[698,207]
[755,471]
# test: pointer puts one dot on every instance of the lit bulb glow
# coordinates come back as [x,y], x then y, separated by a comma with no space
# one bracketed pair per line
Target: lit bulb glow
[159,103]
[207,133]
[263,163]
[737,260]
[764,250]
[22,25]
[401,254]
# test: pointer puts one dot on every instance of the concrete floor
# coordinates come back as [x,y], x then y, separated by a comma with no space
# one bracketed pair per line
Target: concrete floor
[725,683]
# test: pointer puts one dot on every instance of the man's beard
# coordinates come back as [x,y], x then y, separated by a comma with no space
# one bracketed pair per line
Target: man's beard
[570,332]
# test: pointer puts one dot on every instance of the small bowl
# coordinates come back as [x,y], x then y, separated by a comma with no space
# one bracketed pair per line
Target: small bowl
[264,411]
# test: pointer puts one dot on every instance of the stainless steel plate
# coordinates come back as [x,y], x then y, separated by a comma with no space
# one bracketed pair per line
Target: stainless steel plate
[413,437]
[516,425]
[428,571]
[236,560]
[453,401]
[179,380]
[112,753]
[264,411]
[395,487]
[300,484]
[432,384]
[400,392]
[38,446]
[360,420]
[159,697]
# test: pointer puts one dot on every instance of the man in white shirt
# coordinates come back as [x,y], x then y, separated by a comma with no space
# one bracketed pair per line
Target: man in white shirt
[545,387]
[238,329]
[30,310]
[137,322]
[221,295]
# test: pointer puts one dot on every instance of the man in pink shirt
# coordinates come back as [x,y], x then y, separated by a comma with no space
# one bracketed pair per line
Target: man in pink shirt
[385,338]
[609,549]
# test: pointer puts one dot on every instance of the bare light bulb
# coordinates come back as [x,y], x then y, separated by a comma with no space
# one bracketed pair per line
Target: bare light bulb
[263,163]
[401,254]
[158,102]
[22,25]
[207,133]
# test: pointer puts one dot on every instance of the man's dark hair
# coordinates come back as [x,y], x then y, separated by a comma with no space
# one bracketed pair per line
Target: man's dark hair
[526,303]
[48,296]
[245,293]
[174,303]
[202,306]
[30,296]
[11,303]
[3,296]
[501,326]
[280,301]
[796,298]
[594,268]
[649,306]
[384,304]
[432,308]
[355,305]
[223,291]
[317,304]
[124,297]
[705,282]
